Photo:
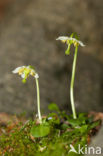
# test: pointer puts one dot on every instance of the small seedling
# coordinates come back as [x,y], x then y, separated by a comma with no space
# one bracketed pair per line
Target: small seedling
[69,41]
[25,72]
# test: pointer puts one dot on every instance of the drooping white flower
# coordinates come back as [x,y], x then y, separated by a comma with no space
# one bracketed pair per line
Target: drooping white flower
[70,40]
[25,72]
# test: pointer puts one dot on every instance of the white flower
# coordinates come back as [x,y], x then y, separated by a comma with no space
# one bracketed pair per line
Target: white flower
[67,40]
[25,71]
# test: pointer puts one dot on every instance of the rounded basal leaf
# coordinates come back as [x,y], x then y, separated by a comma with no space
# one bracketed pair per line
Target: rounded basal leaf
[53,107]
[74,122]
[41,130]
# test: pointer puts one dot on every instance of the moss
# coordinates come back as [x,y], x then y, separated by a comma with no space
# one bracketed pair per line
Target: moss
[64,130]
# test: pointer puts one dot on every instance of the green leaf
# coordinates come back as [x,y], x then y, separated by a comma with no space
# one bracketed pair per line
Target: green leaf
[41,130]
[84,129]
[74,122]
[82,115]
[64,126]
[52,115]
[94,124]
[53,107]
[83,118]
[90,120]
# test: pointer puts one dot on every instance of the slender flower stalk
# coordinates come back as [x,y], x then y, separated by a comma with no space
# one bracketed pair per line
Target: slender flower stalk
[38,99]
[72,83]
[69,41]
[25,72]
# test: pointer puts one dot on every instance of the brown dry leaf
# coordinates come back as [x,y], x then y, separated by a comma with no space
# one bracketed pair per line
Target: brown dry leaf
[88,139]
[5,118]
[13,119]
[97,115]
[32,138]
[3,7]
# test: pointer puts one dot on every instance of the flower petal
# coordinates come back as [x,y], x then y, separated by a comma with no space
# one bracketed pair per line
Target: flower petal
[16,70]
[23,75]
[67,39]
[36,76]
[81,43]
[63,38]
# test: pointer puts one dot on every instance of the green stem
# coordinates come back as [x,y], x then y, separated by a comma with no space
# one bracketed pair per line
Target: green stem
[38,99]
[72,83]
